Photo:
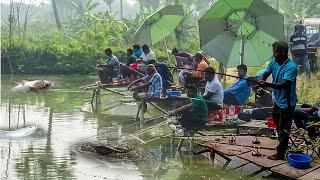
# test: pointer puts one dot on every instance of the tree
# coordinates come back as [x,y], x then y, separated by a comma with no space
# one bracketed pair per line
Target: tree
[296,9]
[56,15]
[121,9]
[109,3]
[154,4]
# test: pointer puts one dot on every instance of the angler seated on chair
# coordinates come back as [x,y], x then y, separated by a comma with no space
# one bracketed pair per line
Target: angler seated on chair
[182,58]
[302,117]
[109,70]
[197,74]
[213,91]
[262,105]
[195,114]
[165,73]
[239,92]
[149,86]
[126,70]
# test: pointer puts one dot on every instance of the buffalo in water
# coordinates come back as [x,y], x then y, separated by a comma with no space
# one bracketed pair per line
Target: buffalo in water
[34,85]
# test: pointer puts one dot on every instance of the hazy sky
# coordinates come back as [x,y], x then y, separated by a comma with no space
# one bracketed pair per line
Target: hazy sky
[37,2]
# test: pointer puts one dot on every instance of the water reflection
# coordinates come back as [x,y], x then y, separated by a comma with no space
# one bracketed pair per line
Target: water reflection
[40,162]
[69,118]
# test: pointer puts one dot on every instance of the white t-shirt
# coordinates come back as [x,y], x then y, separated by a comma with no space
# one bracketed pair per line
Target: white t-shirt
[215,87]
[149,56]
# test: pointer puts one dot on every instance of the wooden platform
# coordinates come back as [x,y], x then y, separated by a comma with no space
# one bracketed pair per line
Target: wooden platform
[315,174]
[226,149]
[262,160]
[244,147]
[288,171]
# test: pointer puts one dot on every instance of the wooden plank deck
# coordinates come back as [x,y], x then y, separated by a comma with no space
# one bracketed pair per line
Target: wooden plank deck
[244,147]
[262,160]
[226,149]
[246,141]
[288,171]
[254,124]
[315,174]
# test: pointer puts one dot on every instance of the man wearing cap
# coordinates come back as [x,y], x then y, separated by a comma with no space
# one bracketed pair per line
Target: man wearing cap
[195,113]
[298,48]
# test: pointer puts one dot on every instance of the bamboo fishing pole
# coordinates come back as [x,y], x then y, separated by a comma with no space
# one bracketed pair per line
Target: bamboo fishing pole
[223,74]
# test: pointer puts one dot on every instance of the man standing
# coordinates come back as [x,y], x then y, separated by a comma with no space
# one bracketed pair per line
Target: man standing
[213,91]
[238,93]
[298,48]
[284,74]
[147,54]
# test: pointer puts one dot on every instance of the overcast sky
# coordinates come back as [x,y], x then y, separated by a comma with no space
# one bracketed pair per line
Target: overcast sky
[37,2]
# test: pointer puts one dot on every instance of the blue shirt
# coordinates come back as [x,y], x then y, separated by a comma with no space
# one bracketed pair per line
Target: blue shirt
[280,73]
[138,53]
[240,89]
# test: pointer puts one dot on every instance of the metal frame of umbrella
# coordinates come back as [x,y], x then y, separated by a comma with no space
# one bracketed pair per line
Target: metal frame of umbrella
[159,25]
[245,28]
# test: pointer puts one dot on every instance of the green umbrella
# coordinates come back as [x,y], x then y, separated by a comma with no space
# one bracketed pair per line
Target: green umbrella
[159,24]
[240,31]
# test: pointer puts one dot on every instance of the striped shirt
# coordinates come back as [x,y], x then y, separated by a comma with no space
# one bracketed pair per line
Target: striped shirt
[299,44]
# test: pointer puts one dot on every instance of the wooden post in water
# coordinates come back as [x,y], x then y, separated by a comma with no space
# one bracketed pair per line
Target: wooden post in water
[93,94]
[142,109]
[98,95]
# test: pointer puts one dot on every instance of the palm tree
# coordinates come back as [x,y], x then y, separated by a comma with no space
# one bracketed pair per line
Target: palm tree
[121,9]
[56,15]
[154,4]
[109,3]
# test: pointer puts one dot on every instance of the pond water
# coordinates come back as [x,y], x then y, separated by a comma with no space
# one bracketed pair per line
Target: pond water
[64,116]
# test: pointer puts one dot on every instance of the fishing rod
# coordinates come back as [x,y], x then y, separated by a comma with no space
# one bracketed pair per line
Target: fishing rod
[223,74]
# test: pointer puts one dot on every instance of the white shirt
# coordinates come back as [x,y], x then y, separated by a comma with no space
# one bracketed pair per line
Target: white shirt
[216,88]
[149,56]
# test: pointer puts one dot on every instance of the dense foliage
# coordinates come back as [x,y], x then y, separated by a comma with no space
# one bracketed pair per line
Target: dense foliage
[37,46]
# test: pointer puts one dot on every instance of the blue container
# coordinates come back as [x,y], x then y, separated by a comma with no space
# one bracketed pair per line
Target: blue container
[173,93]
[300,161]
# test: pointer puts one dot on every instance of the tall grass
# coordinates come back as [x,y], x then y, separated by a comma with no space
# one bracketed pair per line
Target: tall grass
[308,90]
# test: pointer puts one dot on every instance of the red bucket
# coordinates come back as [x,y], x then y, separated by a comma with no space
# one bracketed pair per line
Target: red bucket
[270,123]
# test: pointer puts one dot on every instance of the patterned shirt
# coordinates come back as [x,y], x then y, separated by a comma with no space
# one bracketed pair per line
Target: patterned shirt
[155,87]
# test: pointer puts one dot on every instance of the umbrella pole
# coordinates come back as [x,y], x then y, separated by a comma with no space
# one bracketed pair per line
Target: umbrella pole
[242,51]
[165,44]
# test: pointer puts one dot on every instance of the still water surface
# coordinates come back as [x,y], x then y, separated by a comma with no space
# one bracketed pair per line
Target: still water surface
[64,117]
